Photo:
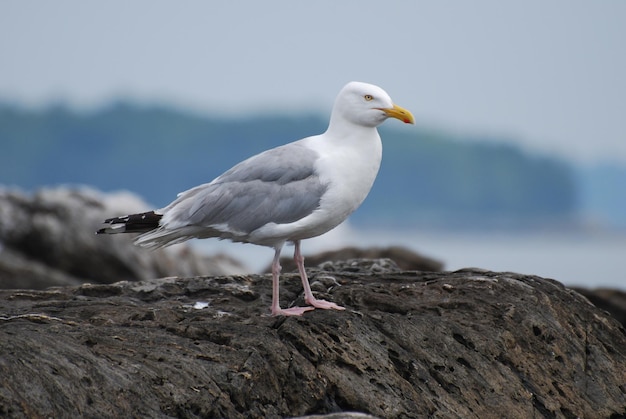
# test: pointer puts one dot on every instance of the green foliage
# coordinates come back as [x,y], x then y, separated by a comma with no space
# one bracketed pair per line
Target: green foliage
[441,178]
[427,176]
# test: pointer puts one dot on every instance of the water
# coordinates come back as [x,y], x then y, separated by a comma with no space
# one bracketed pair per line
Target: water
[575,259]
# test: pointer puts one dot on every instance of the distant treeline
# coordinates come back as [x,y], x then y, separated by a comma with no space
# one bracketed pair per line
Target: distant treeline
[428,178]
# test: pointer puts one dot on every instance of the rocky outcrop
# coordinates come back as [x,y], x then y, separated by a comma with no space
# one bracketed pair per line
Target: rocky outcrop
[47,239]
[613,301]
[465,344]
[404,258]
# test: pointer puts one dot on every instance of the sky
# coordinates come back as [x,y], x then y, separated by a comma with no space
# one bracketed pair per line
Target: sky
[547,75]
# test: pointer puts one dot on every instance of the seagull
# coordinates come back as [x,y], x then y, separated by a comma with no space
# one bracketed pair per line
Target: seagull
[286,194]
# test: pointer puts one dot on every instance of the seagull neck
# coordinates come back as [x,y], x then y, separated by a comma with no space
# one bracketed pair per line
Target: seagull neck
[341,128]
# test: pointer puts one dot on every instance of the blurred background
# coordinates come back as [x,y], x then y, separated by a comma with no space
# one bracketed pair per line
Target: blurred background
[517,161]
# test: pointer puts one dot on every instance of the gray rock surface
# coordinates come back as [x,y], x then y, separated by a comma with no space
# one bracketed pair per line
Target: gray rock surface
[465,344]
[47,239]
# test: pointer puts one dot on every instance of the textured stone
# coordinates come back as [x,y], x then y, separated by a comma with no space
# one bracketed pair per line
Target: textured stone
[465,344]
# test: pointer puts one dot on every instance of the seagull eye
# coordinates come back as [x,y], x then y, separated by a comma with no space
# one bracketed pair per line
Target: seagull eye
[368,97]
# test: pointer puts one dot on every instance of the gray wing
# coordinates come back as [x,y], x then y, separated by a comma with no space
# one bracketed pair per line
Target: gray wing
[277,186]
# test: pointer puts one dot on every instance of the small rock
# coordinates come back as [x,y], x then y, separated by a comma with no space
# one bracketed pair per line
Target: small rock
[404,259]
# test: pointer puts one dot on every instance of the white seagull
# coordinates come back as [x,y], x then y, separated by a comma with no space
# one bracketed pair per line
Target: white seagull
[286,194]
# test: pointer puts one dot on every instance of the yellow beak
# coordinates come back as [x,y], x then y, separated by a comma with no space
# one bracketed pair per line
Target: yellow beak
[400,113]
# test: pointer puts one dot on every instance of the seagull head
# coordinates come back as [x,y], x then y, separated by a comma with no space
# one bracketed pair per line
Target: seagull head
[368,105]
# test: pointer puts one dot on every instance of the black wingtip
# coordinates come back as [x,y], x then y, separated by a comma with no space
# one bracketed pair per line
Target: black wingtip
[135,223]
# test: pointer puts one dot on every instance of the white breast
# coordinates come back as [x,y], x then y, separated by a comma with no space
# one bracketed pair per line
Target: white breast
[349,167]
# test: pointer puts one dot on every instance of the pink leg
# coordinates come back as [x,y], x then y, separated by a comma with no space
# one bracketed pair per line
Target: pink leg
[308,295]
[276,310]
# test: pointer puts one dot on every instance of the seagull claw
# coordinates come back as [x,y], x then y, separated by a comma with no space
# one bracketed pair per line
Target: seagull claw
[293,311]
[323,304]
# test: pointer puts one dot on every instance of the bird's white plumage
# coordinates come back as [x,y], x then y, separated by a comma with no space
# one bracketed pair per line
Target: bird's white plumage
[289,193]
[347,159]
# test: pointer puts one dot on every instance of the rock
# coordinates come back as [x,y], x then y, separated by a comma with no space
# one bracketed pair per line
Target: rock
[464,344]
[342,415]
[405,259]
[47,239]
[613,301]
[364,266]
